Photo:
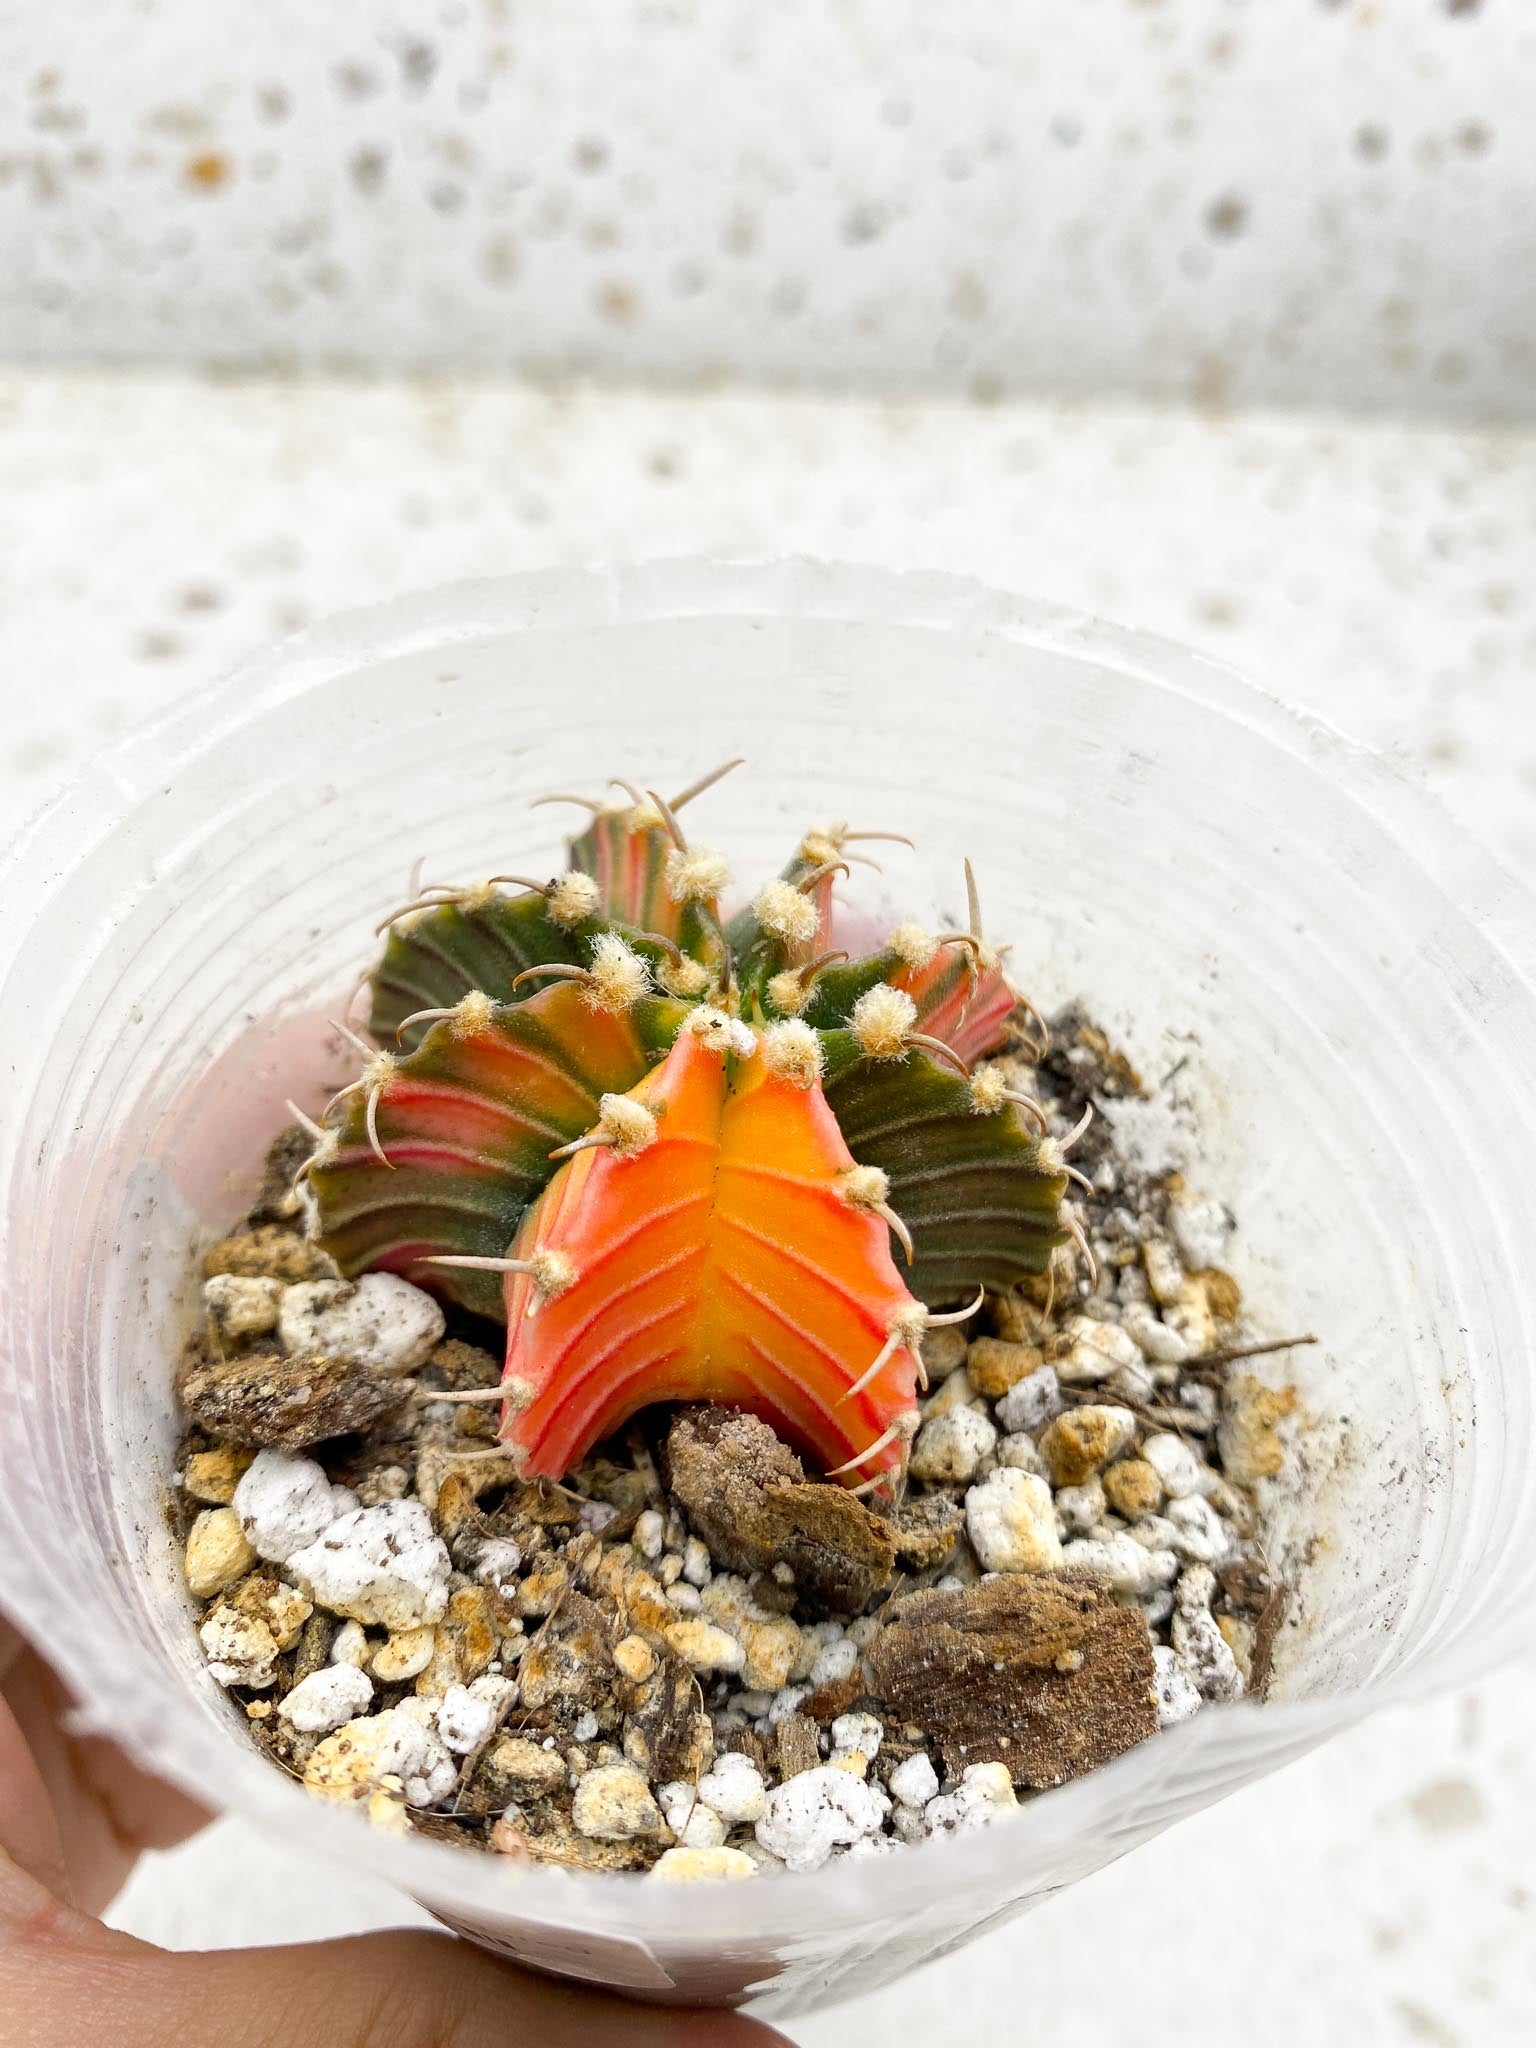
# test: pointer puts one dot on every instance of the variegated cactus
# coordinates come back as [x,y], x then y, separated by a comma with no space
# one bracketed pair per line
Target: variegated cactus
[688,1159]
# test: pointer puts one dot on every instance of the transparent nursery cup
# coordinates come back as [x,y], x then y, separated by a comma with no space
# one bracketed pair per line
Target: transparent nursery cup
[1347,978]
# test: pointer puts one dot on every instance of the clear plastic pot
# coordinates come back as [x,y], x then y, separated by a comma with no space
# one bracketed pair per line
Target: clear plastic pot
[1349,975]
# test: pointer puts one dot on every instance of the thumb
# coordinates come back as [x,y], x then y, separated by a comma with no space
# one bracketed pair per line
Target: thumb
[64,1979]
[374,1991]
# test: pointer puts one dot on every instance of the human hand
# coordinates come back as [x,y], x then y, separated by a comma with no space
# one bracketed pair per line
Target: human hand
[74,1816]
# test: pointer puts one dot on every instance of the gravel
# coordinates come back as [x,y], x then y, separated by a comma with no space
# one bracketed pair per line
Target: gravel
[612,1677]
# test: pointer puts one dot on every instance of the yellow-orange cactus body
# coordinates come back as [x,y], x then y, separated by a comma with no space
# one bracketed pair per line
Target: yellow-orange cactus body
[721,1263]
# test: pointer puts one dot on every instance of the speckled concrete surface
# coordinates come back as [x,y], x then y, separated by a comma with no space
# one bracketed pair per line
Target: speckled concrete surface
[1301,201]
[154,530]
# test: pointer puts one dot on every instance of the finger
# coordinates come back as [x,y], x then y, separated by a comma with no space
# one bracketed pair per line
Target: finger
[375,1991]
[105,1809]
[29,1832]
[12,1643]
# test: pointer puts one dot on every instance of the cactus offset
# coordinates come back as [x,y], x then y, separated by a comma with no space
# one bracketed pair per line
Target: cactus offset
[684,1159]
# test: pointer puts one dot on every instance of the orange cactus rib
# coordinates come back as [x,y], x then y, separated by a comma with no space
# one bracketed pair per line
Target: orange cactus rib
[721,1263]
[966,1006]
[626,861]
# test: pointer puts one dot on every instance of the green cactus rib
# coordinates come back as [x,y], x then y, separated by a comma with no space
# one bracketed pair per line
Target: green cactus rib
[757,953]
[837,988]
[441,954]
[981,1203]
[467,1124]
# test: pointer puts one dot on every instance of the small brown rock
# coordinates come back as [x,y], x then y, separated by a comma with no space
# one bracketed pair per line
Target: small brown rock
[217,1553]
[471,1618]
[832,1699]
[538,1592]
[212,1476]
[515,1769]
[266,1598]
[995,1365]
[1017,1319]
[943,1349]
[268,1401]
[569,1667]
[1248,1436]
[635,1659]
[746,1495]
[458,1367]
[405,1655]
[1078,1443]
[1223,1294]
[926,1531]
[1044,1673]
[272,1253]
[624,1487]
[459,1521]
[1132,1488]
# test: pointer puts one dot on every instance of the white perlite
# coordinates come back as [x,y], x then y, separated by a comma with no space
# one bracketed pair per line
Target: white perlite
[1011,1522]
[327,1699]
[834,1662]
[1128,1564]
[1178,1697]
[382,1321]
[1022,1452]
[952,1445]
[1094,1351]
[397,1744]
[733,1788]
[385,1567]
[1032,1402]
[914,1781]
[1202,1536]
[1176,1465]
[240,1649]
[695,1824]
[351,1645]
[983,1793]
[497,1561]
[857,1735]
[1201,1231]
[242,1306]
[1079,1509]
[1163,1344]
[1201,1649]
[466,1714]
[817,1811]
[284,1503]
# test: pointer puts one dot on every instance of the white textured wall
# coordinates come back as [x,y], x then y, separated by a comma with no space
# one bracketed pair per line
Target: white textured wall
[1316,201]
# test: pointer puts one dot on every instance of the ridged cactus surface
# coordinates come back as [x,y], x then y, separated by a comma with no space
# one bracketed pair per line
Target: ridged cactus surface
[686,1158]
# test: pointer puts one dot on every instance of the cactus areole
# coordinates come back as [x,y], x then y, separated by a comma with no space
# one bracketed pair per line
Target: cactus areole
[685,1157]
